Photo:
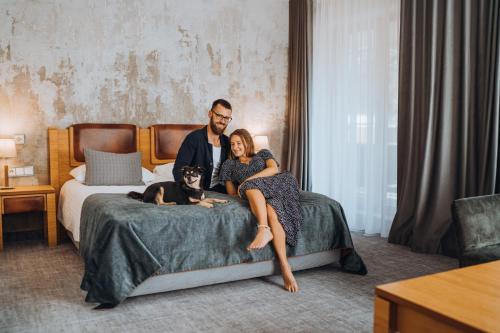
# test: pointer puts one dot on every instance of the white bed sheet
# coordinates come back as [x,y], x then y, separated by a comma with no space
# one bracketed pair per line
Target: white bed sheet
[73,194]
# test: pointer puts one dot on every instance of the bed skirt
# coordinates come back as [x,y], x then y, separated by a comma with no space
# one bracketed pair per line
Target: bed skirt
[203,277]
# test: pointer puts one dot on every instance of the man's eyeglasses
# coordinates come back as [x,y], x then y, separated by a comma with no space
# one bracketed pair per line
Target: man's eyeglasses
[221,117]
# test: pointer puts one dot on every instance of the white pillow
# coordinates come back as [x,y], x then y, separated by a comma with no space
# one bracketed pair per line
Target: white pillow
[165,171]
[147,176]
[79,174]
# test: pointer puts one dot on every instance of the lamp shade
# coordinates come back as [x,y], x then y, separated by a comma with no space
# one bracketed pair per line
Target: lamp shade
[261,142]
[7,148]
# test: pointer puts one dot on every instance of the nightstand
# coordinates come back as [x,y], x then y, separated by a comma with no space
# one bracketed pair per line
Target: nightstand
[25,199]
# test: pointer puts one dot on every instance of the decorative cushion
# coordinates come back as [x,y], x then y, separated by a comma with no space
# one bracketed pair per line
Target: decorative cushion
[112,169]
[79,174]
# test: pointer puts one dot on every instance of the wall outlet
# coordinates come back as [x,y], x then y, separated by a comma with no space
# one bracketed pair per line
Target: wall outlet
[27,171]
[19,138]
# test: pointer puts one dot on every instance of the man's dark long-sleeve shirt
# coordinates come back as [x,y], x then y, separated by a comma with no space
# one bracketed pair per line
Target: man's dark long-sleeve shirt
[195,150]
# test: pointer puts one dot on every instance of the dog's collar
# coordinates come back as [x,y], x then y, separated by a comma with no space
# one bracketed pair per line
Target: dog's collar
[193,191]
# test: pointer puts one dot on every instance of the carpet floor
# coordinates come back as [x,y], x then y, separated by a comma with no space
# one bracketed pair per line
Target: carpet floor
[40,292]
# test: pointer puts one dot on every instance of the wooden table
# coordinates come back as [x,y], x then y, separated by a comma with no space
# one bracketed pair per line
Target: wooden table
[25,199]
[460,300]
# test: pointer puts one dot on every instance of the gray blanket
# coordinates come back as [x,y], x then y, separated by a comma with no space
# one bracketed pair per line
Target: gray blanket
[124,241]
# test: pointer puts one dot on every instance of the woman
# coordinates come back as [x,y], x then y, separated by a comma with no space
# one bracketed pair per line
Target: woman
[273,197]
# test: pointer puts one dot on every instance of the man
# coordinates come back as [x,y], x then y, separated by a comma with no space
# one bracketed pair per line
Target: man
[207,147]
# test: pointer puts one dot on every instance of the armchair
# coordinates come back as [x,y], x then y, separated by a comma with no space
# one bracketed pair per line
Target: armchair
[478,229]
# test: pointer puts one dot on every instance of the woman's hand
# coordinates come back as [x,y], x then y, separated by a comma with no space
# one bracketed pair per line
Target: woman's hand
[270,170]
[238,191]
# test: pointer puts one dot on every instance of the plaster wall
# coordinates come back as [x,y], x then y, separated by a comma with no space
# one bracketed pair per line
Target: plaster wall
[140,62]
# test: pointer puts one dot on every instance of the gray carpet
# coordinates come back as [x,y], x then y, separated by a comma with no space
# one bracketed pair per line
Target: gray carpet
[39,292]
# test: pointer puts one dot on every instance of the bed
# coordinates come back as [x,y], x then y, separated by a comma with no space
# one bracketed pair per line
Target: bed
[132,248]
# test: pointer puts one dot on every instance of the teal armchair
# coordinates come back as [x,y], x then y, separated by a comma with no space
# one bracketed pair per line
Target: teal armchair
[477,221]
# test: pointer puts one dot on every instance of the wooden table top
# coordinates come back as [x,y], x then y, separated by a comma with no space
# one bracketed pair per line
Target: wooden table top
[469,296]
[19,190]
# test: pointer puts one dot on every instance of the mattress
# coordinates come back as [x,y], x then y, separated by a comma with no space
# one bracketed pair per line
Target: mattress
[74,193]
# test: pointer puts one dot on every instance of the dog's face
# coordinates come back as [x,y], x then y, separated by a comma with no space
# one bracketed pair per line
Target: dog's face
[192,176]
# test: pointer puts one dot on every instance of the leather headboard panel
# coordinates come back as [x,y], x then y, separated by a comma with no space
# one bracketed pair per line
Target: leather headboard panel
[167,139]
[113,138]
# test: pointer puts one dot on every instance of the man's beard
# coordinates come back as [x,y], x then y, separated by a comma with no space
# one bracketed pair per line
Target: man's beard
[215,129]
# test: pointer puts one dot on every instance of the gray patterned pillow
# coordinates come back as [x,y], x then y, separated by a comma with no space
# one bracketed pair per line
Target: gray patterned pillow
[112,169]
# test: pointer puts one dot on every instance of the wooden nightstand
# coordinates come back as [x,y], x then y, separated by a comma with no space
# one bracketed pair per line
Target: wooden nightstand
[25,199]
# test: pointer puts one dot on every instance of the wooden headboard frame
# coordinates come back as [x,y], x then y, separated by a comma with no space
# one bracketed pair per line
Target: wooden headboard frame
[62,157]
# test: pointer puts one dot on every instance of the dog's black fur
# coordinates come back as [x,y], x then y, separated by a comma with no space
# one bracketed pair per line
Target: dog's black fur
[172,192]
[187,191]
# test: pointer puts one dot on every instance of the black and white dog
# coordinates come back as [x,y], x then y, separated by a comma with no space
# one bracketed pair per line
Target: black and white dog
[187,191]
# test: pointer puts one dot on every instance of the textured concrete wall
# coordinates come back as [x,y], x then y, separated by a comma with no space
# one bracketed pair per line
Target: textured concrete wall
[141,62]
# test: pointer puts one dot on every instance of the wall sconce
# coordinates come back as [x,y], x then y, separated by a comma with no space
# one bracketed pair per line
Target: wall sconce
[7,150]
[261,142]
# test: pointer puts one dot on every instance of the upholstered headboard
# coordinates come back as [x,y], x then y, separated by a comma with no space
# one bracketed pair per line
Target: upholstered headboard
[115,138]
[166,139]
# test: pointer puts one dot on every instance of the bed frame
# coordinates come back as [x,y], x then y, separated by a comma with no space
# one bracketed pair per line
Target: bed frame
[159,144]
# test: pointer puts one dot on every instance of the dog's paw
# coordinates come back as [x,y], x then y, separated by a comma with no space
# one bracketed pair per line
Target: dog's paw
[205,204]
[218,200]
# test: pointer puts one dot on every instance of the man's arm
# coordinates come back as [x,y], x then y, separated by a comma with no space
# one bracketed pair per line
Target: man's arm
[184,157]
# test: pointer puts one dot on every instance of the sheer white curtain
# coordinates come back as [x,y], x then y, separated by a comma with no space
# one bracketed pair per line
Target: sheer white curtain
[354,108]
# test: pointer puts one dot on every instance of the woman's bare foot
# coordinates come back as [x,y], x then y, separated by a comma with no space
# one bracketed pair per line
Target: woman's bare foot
[289,280]
[264,236]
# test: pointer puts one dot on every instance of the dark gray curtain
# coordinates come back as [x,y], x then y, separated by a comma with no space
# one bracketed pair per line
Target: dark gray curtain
[448,118]
[297,153]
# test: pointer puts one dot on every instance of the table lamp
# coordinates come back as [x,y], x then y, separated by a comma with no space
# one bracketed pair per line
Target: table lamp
[261,142]
[7,150]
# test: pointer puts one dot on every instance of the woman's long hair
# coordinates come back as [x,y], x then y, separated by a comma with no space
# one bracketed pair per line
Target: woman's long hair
[247,140]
